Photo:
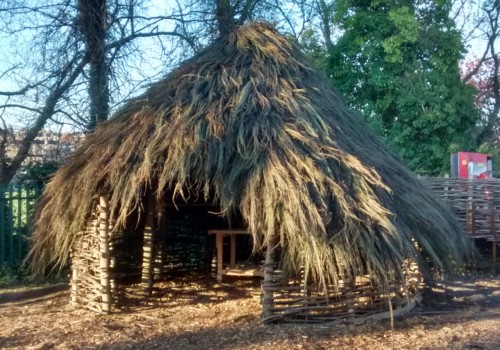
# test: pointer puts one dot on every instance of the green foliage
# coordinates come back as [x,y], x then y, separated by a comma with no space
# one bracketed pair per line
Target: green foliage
[311,46]
[406,32]
[13,276]
[397,62]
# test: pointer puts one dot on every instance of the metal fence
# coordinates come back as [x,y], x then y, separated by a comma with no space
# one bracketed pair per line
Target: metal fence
[17,203]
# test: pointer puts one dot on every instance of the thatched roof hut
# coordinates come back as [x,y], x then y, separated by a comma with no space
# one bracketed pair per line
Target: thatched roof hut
[250,127]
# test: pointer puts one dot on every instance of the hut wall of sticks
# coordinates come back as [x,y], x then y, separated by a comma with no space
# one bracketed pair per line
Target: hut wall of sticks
[349,299]
[101,262]
[248,129]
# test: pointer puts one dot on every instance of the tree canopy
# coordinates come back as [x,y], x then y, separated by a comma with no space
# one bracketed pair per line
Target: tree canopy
[397,62]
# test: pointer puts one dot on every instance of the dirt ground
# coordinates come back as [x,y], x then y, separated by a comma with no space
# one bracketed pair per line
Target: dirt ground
[194,313]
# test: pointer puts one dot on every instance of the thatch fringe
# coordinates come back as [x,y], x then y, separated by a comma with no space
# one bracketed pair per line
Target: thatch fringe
[249,125]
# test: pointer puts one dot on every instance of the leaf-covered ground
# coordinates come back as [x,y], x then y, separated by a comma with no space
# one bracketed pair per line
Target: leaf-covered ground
[194,313]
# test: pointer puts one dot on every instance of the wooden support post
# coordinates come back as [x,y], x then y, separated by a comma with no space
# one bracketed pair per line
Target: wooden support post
[219,247]
[473,218]
[349,293]
[232,261]
[160,248]
[494,252]
[74,285]
[467,226]
[493,232]
[470,209]
[446,194]
[104,274]
[268,283]
[148,249]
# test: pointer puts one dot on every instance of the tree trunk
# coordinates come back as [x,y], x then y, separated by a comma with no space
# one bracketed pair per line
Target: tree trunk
[92,17]
[224,14]
[326,14]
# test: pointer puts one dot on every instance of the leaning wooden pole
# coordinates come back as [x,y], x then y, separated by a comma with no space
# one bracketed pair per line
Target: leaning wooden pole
[104,275]
[148,249]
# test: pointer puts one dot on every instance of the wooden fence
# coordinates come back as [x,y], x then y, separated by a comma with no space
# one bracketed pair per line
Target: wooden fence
[16,211]
[475,203]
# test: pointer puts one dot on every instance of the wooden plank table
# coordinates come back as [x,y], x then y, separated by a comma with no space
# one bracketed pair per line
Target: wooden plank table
[220,234]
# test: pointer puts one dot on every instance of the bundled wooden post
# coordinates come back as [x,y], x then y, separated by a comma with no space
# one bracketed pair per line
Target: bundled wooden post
[104,274]
[148,249]
[74,286]
[268,283]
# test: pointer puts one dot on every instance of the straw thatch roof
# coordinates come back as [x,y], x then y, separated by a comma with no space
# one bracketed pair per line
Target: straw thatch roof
[249,124]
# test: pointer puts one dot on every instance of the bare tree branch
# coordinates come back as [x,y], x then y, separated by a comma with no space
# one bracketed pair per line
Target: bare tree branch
[67,78]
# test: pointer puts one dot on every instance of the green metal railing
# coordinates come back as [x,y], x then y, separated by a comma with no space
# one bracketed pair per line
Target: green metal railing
[17,203]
